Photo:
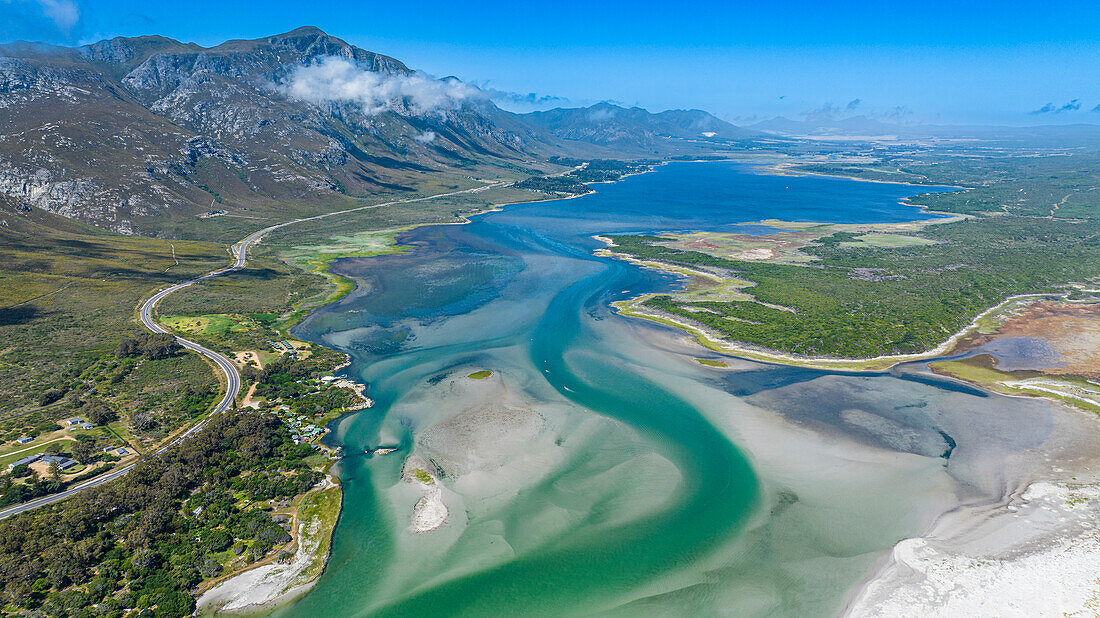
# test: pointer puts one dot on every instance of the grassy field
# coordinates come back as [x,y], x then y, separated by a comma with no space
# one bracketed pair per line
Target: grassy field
[887,240]
[68,294]
[213,324]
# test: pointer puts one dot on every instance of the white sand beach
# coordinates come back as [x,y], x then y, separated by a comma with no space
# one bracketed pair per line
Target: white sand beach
[1036,555]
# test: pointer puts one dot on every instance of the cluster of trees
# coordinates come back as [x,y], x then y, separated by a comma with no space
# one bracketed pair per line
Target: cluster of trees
[97,412]
[280,380]
[149,538]
[608,170]
[553,184]
[152,346]
[35,487]
[575,182]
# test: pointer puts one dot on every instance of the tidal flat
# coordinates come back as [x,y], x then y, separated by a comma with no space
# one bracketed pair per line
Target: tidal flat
[601,468]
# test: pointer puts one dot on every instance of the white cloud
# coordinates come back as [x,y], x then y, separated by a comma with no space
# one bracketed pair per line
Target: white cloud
[426,137]
[338,80]
[603,113]
[64,13]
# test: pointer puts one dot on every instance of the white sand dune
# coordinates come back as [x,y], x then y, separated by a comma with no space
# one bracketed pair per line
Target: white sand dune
[1037,556]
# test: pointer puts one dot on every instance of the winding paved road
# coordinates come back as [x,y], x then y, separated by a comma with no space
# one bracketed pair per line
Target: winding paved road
[232,376]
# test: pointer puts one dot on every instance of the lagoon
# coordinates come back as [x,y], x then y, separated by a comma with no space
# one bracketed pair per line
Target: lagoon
[600,468]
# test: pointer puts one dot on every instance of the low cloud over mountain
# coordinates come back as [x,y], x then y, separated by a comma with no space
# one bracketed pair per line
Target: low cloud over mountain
[339,80]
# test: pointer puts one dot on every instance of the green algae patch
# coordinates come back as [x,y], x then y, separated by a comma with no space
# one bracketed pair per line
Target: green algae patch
[888,241]
[423,476]
[480,375]
[710,362]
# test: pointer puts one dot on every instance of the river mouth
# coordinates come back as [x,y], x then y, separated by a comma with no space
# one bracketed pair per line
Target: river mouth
[599,468]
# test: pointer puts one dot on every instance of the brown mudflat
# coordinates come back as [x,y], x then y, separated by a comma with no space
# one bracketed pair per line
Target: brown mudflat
[1073,329]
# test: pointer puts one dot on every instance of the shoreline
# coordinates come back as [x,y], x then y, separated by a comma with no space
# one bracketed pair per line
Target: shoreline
[262,588]
[716,343]
[1006,552]
[783,168]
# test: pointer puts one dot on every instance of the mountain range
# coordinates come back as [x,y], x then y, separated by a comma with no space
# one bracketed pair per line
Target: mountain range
[131,133]
[866,127]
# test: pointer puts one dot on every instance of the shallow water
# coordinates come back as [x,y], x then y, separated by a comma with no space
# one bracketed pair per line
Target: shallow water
[600,469]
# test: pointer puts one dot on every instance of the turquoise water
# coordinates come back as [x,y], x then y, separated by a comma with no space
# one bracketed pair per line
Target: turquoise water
[600,469]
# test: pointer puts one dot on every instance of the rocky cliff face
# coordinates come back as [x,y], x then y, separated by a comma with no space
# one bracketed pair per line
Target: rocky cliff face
[124,131]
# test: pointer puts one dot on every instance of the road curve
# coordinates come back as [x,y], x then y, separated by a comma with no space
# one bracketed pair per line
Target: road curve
[232,376]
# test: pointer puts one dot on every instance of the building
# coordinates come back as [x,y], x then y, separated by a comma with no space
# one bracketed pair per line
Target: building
[75,421]
[25,461]
[63,463]
[87,426]
[121,452]
[24,440]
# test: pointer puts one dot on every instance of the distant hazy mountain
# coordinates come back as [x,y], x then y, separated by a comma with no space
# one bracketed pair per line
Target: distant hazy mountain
[612,125]
[863,126]
[855,125]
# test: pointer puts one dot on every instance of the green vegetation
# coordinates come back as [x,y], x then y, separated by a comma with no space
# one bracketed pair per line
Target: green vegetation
[422,476]
[480,375]
[887,240]
[554,184]
[323,507]
[576,181]
[287,274]
[865,296]
[294,383]
[179,518]
[267,286]
[978,369]
[709,362]
[67,297]
[217,324]
[981,370]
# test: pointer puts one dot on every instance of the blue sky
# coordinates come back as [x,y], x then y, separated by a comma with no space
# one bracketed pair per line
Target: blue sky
[953,62]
